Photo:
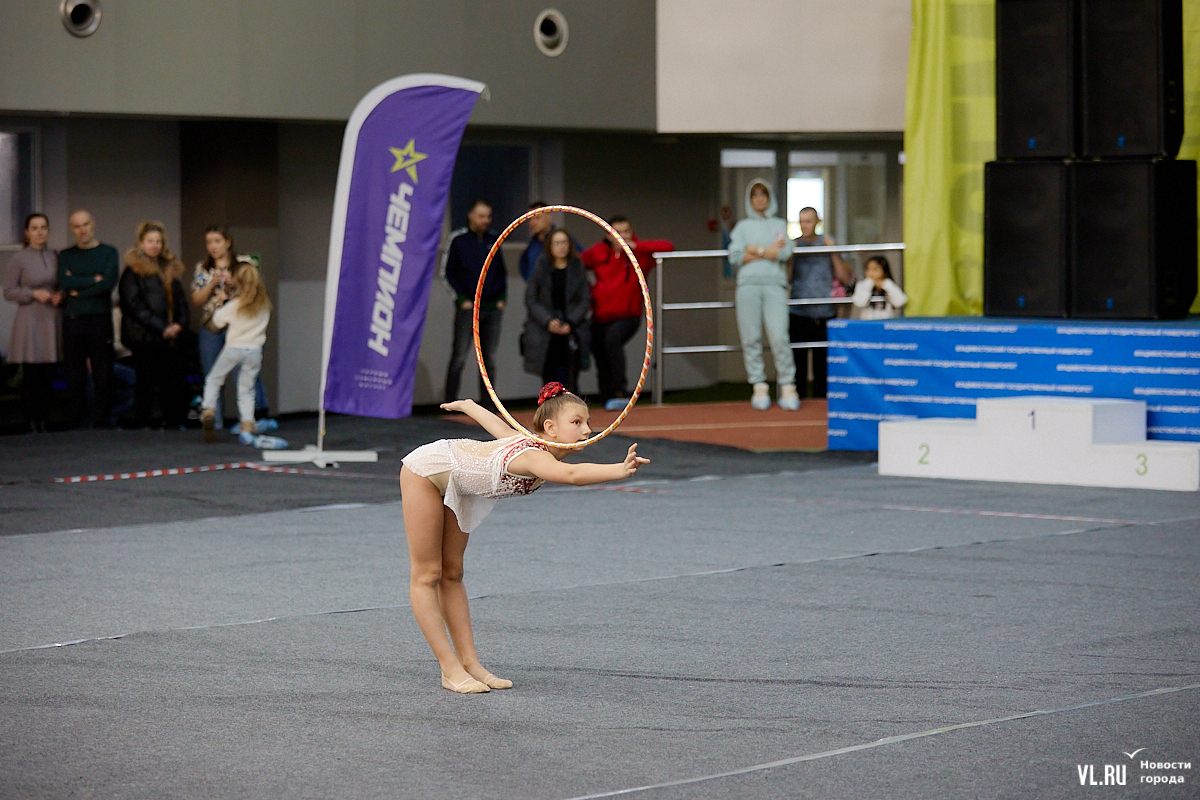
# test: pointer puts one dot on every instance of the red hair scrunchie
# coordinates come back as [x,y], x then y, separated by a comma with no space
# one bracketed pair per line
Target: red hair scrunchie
[552,389]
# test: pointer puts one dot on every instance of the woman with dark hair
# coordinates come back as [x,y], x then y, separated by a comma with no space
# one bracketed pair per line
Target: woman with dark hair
[154,314]
[31,282]
[557,338]
[877,296]
[212,287]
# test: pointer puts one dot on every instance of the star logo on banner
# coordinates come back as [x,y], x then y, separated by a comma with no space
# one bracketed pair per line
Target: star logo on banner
[407,158]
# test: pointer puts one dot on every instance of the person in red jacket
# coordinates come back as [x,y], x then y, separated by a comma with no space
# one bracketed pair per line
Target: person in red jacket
[617,304]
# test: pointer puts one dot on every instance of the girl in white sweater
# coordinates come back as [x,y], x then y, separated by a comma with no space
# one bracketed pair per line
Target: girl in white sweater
[877,295]
[245,317]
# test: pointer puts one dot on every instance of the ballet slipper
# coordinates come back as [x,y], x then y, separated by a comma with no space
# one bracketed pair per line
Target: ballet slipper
[496,683]
[466,686]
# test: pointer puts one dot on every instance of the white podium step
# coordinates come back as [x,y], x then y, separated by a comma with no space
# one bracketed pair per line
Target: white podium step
[1062,440]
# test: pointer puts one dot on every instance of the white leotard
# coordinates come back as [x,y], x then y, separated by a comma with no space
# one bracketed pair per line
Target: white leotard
[475,474]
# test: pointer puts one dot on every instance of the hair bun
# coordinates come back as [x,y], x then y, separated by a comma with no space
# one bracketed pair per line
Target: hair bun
[552,389]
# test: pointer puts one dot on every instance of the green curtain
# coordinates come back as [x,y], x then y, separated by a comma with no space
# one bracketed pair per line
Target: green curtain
[1191,92]
[949,133]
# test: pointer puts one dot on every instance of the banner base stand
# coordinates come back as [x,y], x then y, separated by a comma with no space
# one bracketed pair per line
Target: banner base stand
[322,458]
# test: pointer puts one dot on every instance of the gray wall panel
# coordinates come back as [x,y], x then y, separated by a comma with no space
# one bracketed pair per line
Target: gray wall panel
[308,164]
[124,172]
[310,59]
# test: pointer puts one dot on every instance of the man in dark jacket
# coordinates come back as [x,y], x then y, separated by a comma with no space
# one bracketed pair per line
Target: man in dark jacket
[465,254]
[87,275]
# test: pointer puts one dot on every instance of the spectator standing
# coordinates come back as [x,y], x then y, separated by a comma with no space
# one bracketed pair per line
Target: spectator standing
[31,282]
[211,282]
[555,342]
[617,304]
[759,249]
[465,254]
[539,228]
[154,315]
[87,275]
[812,277]
[877,295]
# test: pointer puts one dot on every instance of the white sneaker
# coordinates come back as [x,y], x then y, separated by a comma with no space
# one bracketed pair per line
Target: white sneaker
[789,398]
[761,399]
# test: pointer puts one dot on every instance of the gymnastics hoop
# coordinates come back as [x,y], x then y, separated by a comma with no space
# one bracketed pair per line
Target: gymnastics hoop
[487,381]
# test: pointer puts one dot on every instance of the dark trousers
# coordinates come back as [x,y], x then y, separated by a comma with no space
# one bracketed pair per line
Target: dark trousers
[37,392]
[88,338]
[159,369]
[608,349]
[808,329]
[464,347]
[562,362]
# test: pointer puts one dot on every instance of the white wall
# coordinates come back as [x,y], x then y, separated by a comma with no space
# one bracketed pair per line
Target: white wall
[782,65]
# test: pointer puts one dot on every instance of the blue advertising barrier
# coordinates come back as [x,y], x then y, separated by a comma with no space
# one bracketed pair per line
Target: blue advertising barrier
[937,367]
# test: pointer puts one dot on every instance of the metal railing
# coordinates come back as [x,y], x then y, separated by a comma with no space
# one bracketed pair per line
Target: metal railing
[659,306]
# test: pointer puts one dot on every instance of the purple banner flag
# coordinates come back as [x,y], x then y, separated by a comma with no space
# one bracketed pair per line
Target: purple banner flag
[397,158]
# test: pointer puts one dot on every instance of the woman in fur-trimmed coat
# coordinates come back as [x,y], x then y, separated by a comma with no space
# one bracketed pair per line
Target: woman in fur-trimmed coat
[154,316]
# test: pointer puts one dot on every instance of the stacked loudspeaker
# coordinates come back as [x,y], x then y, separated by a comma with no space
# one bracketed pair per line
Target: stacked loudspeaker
[1087,213]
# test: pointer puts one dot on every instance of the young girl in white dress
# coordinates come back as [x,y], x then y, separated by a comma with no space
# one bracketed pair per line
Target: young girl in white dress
[447,488]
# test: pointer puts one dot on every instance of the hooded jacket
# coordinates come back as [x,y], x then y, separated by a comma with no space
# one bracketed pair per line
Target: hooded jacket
[760,230]
[150,301]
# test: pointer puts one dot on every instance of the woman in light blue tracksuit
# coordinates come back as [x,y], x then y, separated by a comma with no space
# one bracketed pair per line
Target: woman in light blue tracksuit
[760,249]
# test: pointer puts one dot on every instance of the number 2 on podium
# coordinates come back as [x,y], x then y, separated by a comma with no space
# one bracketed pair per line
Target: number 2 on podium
[924,451]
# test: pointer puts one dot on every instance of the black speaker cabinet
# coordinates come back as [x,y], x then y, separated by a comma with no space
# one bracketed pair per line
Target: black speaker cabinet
[1035,79]
[1132,77]
[1133,239]
[1025,244]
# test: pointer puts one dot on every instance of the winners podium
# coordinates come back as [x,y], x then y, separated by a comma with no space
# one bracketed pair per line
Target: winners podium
[1034,439]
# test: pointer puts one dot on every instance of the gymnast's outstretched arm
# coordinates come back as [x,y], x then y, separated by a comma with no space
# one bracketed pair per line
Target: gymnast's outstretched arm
[490,422]
[540,464]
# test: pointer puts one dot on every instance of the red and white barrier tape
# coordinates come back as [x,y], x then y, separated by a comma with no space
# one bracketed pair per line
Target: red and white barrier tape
[158,473]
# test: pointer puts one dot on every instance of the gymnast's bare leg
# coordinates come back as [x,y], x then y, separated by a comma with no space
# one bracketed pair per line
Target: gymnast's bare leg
[455,611]
[439,600]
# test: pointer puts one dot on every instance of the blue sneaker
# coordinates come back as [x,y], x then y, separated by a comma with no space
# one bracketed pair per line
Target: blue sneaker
[270,443]
[761,399]
[789,398]
[616,404]
[265,425]
[262,442]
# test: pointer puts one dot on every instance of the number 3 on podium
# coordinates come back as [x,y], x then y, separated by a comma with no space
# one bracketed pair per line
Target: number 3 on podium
[1142,467]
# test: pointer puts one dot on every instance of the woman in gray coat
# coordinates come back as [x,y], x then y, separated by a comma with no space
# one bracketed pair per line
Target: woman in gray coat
[557,338]
[32,283]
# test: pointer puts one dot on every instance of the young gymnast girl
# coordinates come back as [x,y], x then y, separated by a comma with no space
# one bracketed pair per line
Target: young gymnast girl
[447,487]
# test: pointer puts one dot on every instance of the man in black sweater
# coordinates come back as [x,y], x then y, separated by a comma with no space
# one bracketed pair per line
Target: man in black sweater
[87,274]
[465,254]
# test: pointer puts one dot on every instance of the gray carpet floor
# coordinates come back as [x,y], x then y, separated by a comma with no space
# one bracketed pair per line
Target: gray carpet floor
[726,626]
